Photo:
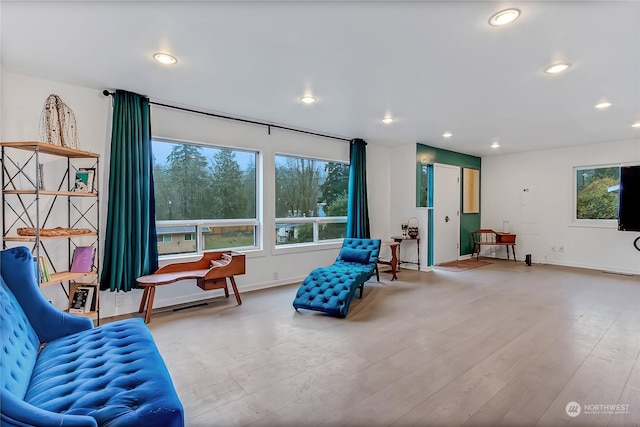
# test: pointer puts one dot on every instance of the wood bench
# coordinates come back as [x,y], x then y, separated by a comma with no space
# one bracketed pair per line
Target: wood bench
[485,237]
[210,272]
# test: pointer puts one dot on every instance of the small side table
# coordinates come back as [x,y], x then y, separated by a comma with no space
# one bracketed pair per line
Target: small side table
[393,261]
[401,239]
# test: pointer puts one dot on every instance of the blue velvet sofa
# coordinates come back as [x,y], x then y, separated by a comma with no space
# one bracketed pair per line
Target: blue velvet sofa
[56,369]
[331,289]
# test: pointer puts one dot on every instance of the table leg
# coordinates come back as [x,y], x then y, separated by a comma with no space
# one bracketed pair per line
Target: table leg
[147,315]
[399,242]
[235,290]
[513,248]
[394,261]
[143,301]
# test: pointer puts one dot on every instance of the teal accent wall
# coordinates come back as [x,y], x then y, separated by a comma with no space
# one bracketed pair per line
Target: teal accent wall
[427,155]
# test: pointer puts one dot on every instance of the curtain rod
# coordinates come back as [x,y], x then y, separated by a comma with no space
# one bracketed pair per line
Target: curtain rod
[237,119]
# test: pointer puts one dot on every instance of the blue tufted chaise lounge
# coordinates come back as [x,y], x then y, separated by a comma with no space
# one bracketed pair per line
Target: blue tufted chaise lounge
[331,289]
[56,369]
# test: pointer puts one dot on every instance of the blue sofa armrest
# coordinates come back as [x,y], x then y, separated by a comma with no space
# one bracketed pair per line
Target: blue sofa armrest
[17,412]
[49,323]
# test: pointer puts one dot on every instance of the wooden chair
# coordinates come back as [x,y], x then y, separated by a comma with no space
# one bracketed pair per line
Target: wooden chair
[485,236]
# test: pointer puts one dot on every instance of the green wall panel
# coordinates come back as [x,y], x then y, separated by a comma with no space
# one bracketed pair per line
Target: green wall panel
[428,155]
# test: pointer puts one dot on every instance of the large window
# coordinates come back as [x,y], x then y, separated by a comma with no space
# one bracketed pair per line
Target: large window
[311,200]
[205,197]
[596,197]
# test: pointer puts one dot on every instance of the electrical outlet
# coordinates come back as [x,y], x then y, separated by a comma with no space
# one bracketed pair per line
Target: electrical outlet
[119,300]
[275,275]
[561,249]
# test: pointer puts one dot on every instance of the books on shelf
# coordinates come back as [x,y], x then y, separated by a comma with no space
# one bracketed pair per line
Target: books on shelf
[83,299]
[82,261]
[44,270]
[85,178]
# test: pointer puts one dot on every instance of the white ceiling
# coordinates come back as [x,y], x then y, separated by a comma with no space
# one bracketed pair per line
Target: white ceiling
[435,66]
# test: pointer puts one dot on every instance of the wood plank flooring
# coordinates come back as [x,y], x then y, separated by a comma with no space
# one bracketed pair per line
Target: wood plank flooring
[504,344]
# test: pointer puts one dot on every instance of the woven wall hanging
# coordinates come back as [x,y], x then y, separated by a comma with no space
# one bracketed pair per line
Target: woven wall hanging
[58,123]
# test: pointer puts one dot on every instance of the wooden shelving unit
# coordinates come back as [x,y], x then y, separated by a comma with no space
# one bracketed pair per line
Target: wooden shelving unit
[25,203]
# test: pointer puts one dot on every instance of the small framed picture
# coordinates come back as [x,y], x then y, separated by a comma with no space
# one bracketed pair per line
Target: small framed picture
[84,182]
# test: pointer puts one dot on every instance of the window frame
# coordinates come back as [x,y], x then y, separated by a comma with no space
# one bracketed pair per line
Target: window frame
[201,224]
[316,221]
[583,222]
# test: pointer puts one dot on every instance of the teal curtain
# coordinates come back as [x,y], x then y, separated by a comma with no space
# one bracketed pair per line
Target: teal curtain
[130,248]
[358,208]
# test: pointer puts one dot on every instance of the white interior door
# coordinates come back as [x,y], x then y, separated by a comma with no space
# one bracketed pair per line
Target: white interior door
[446,213]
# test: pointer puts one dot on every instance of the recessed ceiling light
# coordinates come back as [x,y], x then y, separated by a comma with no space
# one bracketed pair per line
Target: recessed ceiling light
[495,145]
[165,58]
[504,17]
[557,68]
[308,99]
[388,120]
[603,105]
[447,135]
[636,125]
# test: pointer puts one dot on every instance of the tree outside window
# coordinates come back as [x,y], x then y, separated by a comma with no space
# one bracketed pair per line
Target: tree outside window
[597,193]
[205,185]
[312,189]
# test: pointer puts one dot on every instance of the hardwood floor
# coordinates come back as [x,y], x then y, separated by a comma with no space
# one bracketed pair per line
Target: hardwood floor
[504,344]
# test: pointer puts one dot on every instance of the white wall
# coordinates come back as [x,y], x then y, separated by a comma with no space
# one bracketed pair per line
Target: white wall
[541,217]
[403,202]
[21,104]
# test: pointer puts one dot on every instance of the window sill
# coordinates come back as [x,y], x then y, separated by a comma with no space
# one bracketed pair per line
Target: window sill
[306,247]
[605,223]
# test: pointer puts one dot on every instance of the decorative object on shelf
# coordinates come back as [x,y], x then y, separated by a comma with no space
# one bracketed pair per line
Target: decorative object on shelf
[58,123]
[413,227]
[89,303]
[49,232]
[79,300]
[84,180]
[82,259]
[405,228]
[40,176]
